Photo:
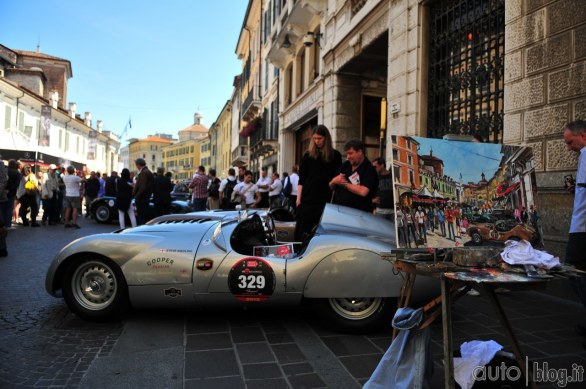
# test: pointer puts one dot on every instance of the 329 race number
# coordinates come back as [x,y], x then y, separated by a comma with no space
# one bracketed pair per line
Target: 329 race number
[251,282]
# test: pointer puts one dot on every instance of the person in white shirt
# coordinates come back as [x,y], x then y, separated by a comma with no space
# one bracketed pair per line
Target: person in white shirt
[294,178]
[421,218]
[264,184]
[72,196]
[249,191]
[275,191]
[226,188]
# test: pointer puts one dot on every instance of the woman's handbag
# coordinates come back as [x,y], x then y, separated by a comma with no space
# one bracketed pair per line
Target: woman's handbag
[30,187]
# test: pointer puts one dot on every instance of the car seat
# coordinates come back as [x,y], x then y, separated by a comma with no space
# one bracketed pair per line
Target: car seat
[248,234]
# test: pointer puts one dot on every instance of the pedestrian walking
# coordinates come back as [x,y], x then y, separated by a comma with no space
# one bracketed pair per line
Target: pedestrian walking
[72,197]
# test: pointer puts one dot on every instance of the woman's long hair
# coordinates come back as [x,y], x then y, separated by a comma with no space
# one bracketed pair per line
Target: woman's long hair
[327,151]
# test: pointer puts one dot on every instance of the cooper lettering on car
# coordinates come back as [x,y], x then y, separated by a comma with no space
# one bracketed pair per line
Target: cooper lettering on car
[251,280]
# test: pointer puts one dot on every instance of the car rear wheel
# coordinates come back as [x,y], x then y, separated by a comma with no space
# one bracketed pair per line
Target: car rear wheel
[95,289]
[356,315]
[103,214]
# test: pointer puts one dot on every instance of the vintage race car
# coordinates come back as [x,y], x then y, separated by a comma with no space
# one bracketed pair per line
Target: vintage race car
[232,258]
[501,231]
[104,209]
[182,191]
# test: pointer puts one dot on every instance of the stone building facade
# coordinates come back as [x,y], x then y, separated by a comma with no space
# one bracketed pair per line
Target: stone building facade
[36,127]
[509,72]
[545,87]
[220,133]
[150,149]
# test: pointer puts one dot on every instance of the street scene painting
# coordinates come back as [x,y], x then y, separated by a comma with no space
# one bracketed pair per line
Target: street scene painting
[452,193]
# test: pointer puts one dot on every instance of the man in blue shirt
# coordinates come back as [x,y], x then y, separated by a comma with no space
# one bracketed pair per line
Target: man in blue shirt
[575,138]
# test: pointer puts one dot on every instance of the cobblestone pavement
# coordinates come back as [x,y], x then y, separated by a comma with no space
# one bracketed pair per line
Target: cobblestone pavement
[42,345]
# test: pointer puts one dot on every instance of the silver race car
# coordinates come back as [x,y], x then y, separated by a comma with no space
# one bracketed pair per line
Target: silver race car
[234,258]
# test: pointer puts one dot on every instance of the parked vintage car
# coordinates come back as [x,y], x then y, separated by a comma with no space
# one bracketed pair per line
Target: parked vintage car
[181,191]
[234,258]
[501,231]
[104,210]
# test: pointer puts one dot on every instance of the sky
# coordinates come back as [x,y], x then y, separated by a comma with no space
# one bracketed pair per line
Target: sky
[467,158]
[153,63]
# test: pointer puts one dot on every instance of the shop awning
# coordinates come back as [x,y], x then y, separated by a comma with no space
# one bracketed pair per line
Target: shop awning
[36,158]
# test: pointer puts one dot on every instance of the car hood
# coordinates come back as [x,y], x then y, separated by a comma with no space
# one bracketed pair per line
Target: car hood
[191,226]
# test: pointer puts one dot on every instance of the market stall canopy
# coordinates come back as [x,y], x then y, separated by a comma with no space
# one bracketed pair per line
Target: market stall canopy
[424,192]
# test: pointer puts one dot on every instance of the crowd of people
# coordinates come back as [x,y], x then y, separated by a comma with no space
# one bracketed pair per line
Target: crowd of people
[414,223]
[320,178]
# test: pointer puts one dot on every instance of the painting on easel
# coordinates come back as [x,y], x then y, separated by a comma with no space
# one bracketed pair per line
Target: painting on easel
[453,193]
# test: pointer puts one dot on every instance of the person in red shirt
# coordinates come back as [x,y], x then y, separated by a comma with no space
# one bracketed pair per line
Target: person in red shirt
[199,185]
[450,221]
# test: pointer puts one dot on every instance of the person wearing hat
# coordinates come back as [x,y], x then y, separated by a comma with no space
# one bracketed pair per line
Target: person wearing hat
[49,187]
[143,189]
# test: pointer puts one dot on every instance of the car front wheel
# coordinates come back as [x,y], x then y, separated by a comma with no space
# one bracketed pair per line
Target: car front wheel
[103,214]
[356,315]
[95,289]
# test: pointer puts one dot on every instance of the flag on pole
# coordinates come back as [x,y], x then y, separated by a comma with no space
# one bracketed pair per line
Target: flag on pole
[129,123]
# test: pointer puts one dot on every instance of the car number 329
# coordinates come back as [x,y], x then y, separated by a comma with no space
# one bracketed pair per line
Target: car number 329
[251,282]
[251,279]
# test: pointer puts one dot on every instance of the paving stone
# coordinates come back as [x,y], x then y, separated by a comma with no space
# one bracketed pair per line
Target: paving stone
[382,342]
[208,342]
[208,325]
[254,353]
[297,368]
[361,366]
[205,364]
[349,345]
[307,381]
[247,334]
[275,383]
[279,337]
[216,383]
[288,353]
[262,371]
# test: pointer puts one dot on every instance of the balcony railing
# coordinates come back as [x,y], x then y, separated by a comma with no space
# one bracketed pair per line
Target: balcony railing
[251,104]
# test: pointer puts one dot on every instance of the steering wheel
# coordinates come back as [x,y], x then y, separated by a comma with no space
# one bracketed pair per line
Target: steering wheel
[270,230]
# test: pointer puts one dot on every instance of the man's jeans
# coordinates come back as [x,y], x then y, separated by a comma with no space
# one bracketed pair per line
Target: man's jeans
[200,204]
